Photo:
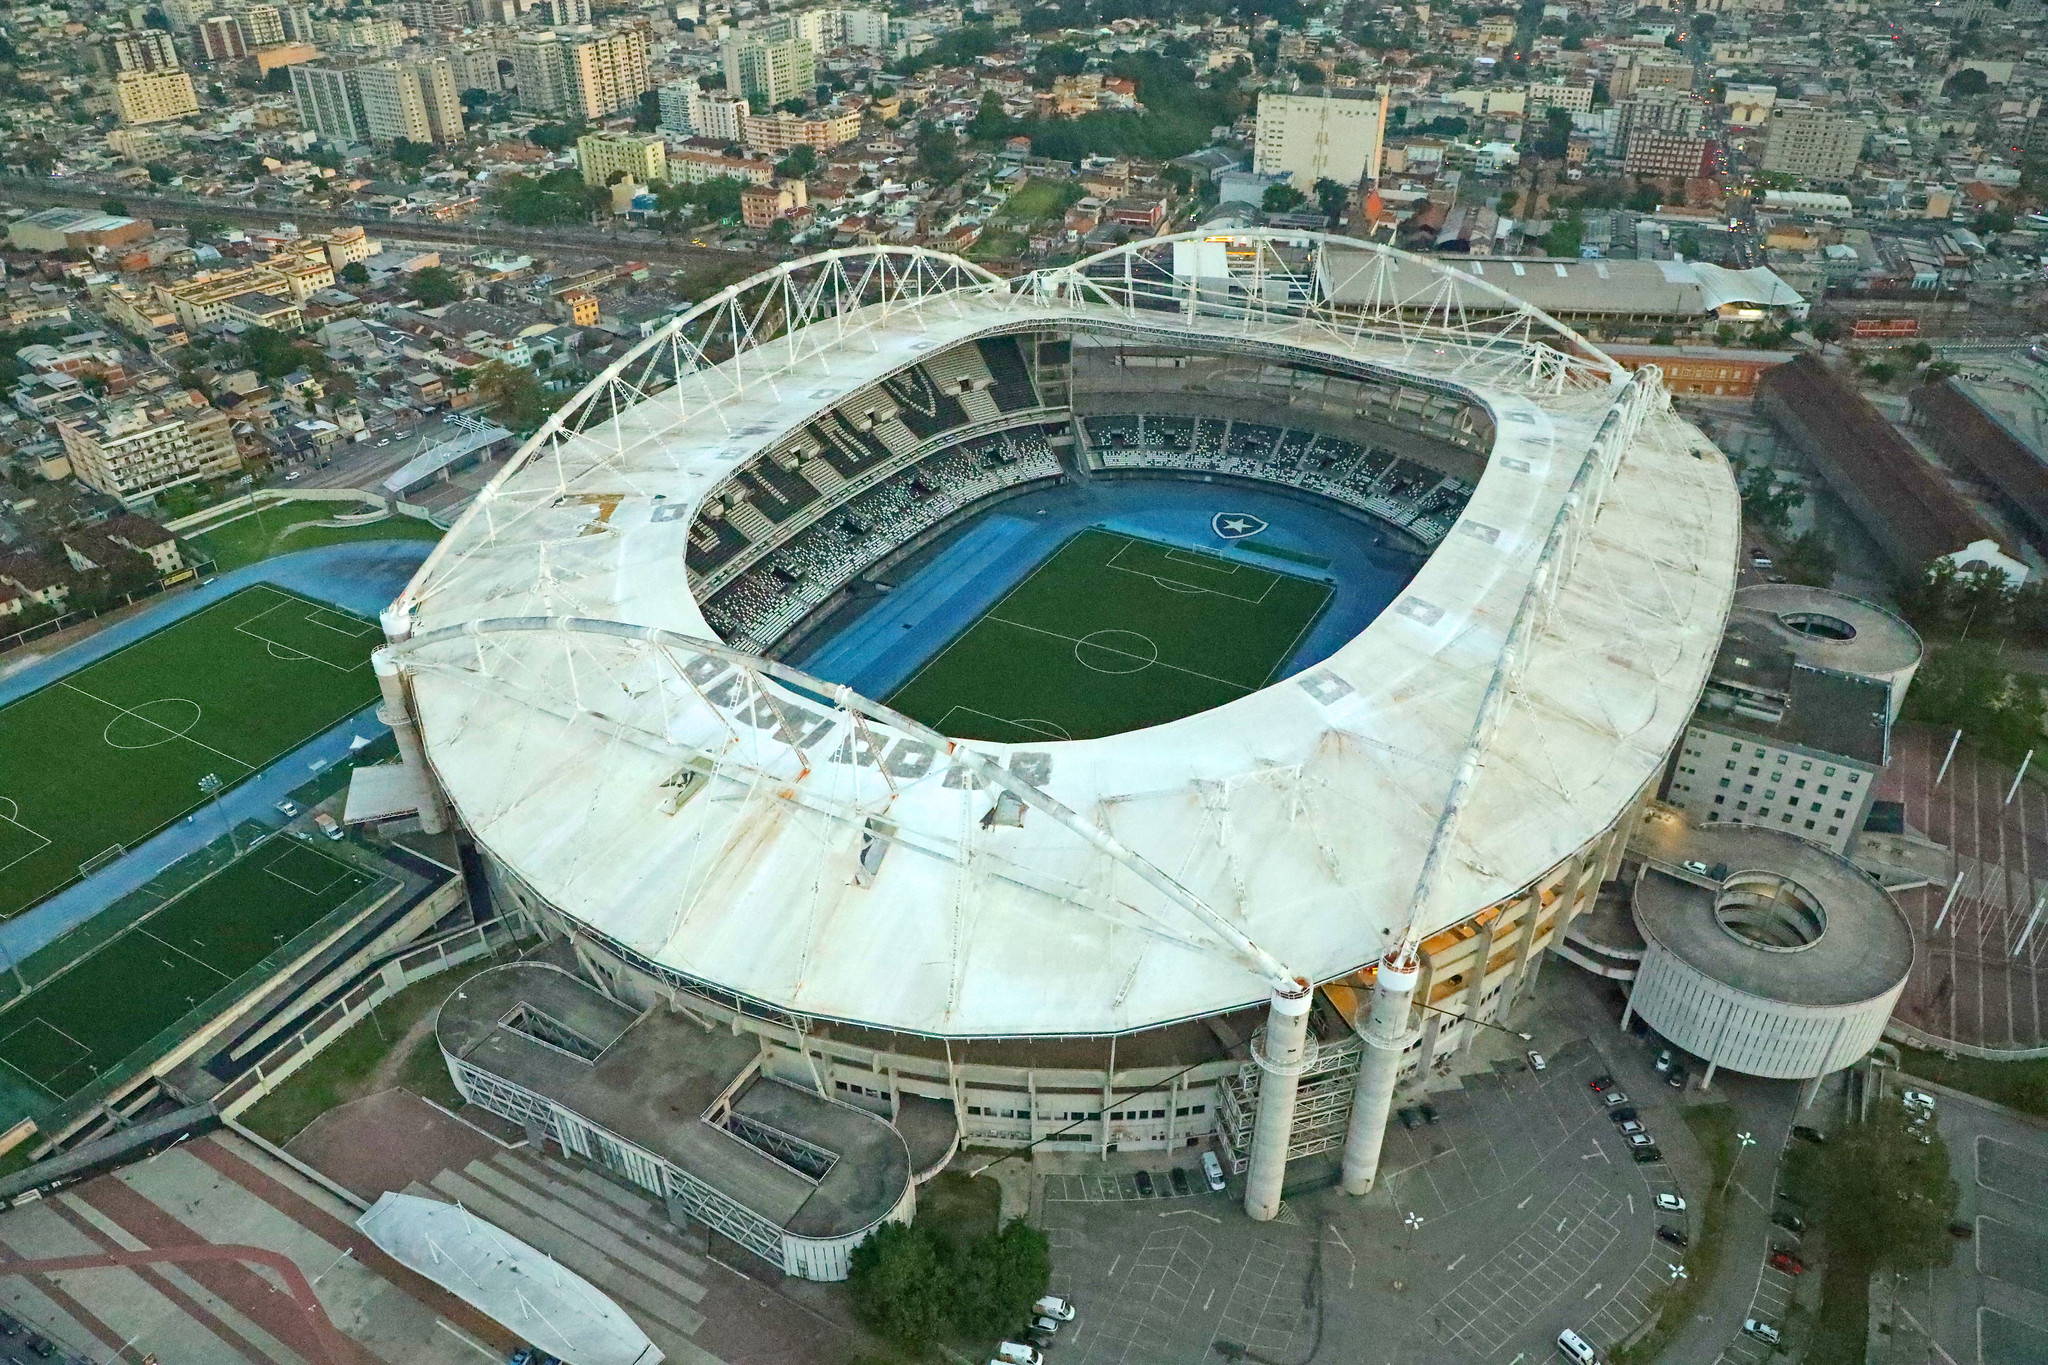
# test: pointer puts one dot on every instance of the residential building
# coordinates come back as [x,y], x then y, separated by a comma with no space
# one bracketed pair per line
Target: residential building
[415,100]
[147,49]
[1812,144]
[435,16]
[217,295]
[588,75]
[142,144]
[220,39]
[601,156]
[761,205]
[1558,95]
[564,13]
[1659,111]
[1335,136]
[135,450]
[687,111]
[262,26]
[1678,156]
[330,104]
[779,130]
[154,96]
[692,167]
[770,71]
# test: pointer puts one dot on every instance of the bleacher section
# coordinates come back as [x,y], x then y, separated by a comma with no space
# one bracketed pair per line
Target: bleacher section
[761,605]
[1010,381]
[1412,496]
[922,405]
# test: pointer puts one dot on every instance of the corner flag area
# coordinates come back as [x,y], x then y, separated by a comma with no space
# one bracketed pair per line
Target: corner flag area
[1114,633]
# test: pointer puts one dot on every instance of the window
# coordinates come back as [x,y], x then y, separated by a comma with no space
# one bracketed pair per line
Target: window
[1764,811]
[1748,787]
[1814,806]
[1806,767]
[1839,812]
[1752,772]
[1736,748]
[1771,795]
[1786,817]
[1731,765]
[1809,824]
[1827,772]
[1720,800]
[1724,781]
[1799,782]
[1759,751]
[1855,777]
[1742,805]
[1823,789]
[1781,758]
[1713,815]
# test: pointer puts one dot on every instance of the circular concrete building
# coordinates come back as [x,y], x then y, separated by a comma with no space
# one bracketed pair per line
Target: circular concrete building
[1779,960]
[1831,630]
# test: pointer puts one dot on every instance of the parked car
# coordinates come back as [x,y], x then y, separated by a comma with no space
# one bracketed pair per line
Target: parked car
[1144,1179]
[1428,1112]
[1212,1171]
[1762,1331]
[1664,1057]
[288,809]
[1641,1139]
[1045,1326]
[1806,1134]
[1673,1236]
[1631,1127]
[1917,1099]
[327,824]
[1791,1222]
[8,1325]
[1053,1306]
[1601,1082]
[41,1345]
[1536,1062]
[1623,1114]
[1179,1178]
[1017,1353]
[1409,1118]
[1670,1203]
[1615,1098]
[1698,869]
[1647,1156]
[1676,1080]
[1783,1259]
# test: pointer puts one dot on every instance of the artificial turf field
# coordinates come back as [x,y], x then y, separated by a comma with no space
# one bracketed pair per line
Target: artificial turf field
[1112,633]
[108,755]
[66,1033]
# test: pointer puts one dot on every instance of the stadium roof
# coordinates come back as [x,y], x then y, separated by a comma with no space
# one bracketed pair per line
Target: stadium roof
[753,837]
[494,1272]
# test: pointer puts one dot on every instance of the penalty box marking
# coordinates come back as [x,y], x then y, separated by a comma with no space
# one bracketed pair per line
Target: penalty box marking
[290,651]
[1177,585]
[342,870]
[37,1021]
[9,810]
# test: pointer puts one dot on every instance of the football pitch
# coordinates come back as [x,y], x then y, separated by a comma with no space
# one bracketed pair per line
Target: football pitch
[1114,633]
[65,1034]
[110,754]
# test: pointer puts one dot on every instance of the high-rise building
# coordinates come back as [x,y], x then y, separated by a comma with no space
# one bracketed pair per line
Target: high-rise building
[136,450]
[563,13]
[330,103]
[1813,144]
[298,23]
[392,107]
[687,111]
[770,70]
[601,156]
[146,49]
[1679,156]
[1308,138]
[1674,113]
[184,14]
[435,16]
[1558,95]
[262,26]
[220,39]
[154,96]
[584,76]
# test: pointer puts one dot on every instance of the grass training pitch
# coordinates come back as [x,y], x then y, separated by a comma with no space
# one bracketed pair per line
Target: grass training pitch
[65,1034]
[108,755]
[1113,633]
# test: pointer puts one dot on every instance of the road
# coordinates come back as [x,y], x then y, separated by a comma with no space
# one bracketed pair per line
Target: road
[640,245]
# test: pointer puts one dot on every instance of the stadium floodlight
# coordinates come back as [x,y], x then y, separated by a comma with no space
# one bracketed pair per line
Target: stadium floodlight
[212,786]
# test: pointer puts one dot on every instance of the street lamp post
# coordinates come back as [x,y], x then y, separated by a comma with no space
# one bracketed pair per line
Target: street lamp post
[211,785]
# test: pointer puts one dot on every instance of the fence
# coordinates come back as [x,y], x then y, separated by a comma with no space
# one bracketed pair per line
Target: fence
[191,573]
[300,1047]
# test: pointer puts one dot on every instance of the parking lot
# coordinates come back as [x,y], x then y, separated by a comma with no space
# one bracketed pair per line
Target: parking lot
[1990,1306]
[1518,1212]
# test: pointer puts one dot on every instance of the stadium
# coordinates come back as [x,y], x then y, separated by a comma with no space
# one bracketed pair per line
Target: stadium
[1159,700]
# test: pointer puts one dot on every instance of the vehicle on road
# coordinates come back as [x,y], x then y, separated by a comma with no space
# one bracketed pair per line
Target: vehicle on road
[1212,1171]
[1762,1331]
[1783,1259]
[1671,1203]
[1536,1062]
[288,809]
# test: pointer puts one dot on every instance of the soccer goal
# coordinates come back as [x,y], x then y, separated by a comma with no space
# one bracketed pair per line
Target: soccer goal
[100,859]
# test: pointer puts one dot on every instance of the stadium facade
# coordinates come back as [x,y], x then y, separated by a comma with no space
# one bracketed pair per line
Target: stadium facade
[1245,925]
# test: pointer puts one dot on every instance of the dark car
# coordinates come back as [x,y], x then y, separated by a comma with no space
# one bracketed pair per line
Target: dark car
[1144,1179]
[1676,1080]
[1601,1082]
[1806,1134]
[1625,1114]
[41,1347]
[1647,1156]
[8,1326]
[1783,1259]
[1673,1236]
[1961,1230]
[1428,1112]
[1791,1222]
[1409,1118]
[1180,1180]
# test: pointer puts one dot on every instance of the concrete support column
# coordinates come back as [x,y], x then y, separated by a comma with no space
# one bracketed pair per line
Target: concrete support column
[1809,1091]
[396,712]
[1475,993]
[1707,1081]
[1281,1055]
[1385,1037]
[1628,1011]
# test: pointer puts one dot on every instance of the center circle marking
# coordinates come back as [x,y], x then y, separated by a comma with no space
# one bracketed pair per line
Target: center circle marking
[1116,651]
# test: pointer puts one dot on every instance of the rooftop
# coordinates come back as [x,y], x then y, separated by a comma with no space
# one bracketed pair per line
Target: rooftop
[652,1078]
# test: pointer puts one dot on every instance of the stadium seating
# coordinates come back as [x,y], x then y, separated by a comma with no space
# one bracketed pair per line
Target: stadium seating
[1409,495]
[921,405]
[1011,388]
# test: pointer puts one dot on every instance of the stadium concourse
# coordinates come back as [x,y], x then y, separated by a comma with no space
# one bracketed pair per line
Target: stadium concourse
[1278,870]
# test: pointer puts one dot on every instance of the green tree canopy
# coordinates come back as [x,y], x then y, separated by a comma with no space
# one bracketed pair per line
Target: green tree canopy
[899,1286]
[355,272]
[1281,199]
[435,286]
[801,163]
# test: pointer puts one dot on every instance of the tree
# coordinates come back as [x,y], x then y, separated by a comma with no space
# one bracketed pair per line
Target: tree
[794,106]
[278,81]
[1811,560]
[555,136]
[1881,1192]
[409,153]
[355,272]
[1963,686]
[898,1284]
[1767,504]
[1564,237]
[1966,84]
[1281,199]
[647,114]
[115,207]
[435,286]
[160,174]
[1331,198]
[938,152]
[513,396]
[800,164]
[998,1279]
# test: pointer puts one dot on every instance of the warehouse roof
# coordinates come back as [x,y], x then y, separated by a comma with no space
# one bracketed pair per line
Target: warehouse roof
[1581,288]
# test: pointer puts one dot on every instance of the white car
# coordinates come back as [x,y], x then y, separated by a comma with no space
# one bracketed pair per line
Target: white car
[1047,1325]
[1762,1331]
[1614,1098]
[1536,1062]
[1641,1140]
[1052,1306]
[1699,869]
[1631,1127]
[1212,1171]
[1017,1353]
[1670,1203]
[1917,1099]
[288,809]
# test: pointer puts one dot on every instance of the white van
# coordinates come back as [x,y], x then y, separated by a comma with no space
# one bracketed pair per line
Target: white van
[1212,1171]
[1017,1353]
[1053,1306]
[1576,1347]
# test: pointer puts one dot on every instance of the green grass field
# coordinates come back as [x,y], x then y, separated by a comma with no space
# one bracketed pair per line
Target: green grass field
[61,1037]
[263,534]
[115,751]
[1113,633]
